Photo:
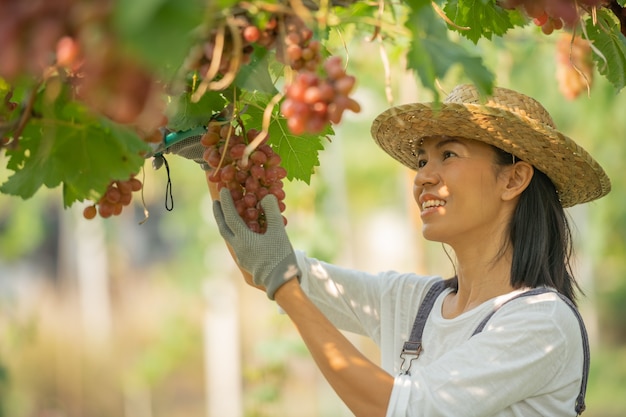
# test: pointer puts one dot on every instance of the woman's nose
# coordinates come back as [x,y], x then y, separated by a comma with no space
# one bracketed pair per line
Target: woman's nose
[426,175]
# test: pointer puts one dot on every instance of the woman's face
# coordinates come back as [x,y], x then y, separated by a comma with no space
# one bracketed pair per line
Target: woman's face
[458,191]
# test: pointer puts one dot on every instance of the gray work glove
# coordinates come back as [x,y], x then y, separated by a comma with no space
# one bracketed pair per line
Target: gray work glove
[189,148]
[269,257]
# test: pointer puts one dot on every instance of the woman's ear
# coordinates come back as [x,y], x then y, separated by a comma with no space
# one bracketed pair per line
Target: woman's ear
[518,178]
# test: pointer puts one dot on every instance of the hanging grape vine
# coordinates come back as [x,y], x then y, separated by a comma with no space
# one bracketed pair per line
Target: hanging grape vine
[87,85]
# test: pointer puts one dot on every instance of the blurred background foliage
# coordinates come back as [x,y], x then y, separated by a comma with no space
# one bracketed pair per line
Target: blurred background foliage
[109,317]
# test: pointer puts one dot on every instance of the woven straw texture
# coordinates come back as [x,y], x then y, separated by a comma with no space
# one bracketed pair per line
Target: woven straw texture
[508,120]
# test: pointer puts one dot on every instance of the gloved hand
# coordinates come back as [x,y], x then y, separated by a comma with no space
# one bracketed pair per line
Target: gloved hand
[189,148]
[269,257]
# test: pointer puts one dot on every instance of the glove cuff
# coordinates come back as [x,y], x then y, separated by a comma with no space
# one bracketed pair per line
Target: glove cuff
[285,271]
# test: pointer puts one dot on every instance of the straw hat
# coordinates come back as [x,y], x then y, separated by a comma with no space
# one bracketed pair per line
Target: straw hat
[508,120]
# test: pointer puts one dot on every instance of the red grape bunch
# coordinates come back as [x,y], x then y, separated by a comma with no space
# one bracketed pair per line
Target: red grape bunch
[248,183]
[29,32]
[232,43]
[227,48]
[553,15]
[44,39]
[117,195]
[311,102]
[298,49]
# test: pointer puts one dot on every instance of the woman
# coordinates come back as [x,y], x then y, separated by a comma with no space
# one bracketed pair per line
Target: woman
[492,180]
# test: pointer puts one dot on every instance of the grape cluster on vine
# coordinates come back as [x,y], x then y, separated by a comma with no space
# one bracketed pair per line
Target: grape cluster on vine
[249,181]
[298,49]
[232,43]
[312,101]
[553,15]
[29,33]
[227,47]
[43,39]
[119,194]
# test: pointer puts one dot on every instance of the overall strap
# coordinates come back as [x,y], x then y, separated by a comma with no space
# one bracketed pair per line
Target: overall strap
[413,347]
[580,400]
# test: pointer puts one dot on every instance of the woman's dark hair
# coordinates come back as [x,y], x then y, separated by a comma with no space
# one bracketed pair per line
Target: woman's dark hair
[540,235]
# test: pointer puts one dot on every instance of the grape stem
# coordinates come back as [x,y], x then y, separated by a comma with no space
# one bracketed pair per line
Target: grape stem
[226,140]
[301,10]
[571,61]
[446,18]
[265,127]
[268,7]
[379,19]
[24,117]
[235,60]
[216,59]
[593,47]
[146,213]
[385,60]
[207,82]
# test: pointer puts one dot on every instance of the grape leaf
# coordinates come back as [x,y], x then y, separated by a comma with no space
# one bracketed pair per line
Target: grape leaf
[299,154]
[159,31]
[431,53]
[478,18]
[184,114]
[255,75]
[610,42]
[4,86]
[70,146]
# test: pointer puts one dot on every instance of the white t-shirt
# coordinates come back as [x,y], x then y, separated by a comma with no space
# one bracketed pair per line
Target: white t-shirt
[527,361]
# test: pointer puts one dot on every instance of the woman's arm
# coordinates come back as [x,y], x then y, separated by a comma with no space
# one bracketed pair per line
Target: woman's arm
[364,387]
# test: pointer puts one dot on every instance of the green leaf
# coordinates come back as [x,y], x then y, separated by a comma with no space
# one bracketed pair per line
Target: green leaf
[611,44]
[4,86]
[71,147]
[431,54]
[160,31]
[184,114]
[299,154]
[483,18]
[255,76]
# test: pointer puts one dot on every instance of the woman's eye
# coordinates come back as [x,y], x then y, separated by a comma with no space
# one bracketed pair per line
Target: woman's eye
[421,163]
[448,154]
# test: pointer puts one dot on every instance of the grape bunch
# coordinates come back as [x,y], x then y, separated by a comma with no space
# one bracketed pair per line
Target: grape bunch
[54,38]
[285,32]
[574,65]
[311,101]
[117,195]
[247,182]
[235,50]
[28,34]
[297,48]
[553,15]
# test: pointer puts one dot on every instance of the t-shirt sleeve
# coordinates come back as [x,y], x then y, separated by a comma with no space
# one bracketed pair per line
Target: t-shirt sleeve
[530,349]
[352,299]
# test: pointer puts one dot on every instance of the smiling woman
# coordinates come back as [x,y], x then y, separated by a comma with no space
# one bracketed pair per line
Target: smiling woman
[503,336]
[461,174]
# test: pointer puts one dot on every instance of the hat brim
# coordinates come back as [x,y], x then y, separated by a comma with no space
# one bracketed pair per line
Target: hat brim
[578,178]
